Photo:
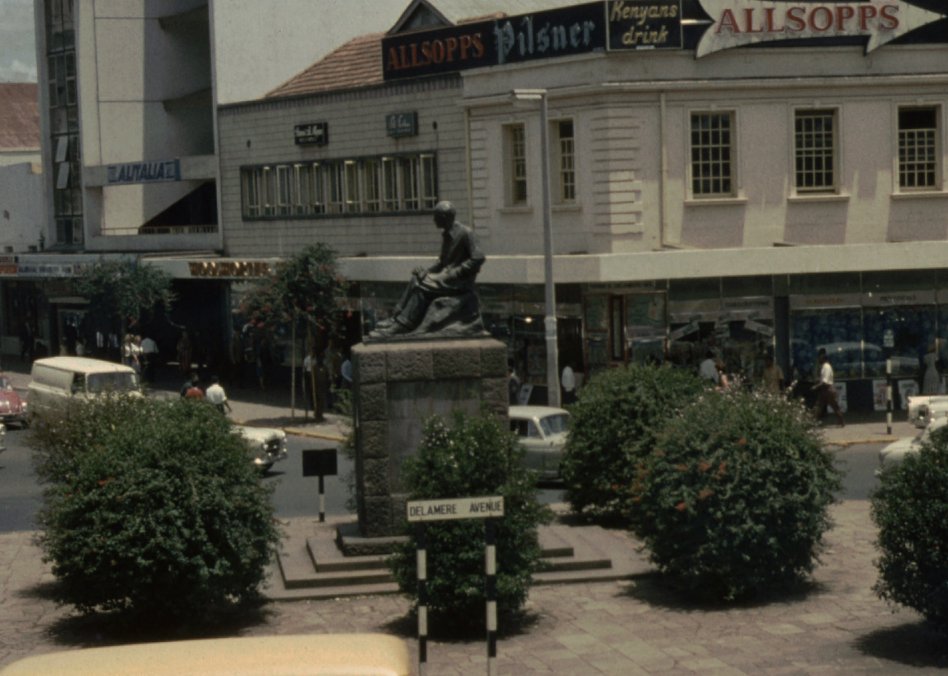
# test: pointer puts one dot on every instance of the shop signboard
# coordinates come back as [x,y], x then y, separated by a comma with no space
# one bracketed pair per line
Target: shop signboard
[539,35]
[311,133]
[898,298]
[874,23]
[152,171]
[400,125]
[644,24]
[821,301]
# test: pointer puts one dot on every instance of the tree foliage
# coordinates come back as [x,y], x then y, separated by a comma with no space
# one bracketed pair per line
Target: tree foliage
[307,286]
[120,292]
[152,507]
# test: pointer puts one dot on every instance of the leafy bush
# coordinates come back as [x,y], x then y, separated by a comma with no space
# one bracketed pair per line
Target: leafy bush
[910,507]
[472,457]
[151,507]
[735,498]
[613,427]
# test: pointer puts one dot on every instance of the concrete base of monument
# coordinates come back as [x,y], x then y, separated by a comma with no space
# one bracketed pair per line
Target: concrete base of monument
[397,388]
[352,542]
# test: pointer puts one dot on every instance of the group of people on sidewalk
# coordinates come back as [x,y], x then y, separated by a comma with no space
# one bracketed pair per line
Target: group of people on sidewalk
[214,394]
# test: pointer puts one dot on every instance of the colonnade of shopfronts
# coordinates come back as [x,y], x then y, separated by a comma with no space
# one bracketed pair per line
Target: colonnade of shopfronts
[860,319]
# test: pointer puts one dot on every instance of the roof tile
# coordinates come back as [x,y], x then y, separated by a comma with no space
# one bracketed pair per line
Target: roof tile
[19,116]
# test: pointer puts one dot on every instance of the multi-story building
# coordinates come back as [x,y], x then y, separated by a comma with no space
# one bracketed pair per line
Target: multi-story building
[725,178]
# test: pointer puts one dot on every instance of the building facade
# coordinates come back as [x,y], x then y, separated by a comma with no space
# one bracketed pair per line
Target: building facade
[745,182]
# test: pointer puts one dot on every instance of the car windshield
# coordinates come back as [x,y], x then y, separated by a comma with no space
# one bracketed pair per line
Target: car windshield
[554,424]
[112,382]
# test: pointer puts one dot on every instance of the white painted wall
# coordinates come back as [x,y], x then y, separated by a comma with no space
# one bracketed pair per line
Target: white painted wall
[22,206]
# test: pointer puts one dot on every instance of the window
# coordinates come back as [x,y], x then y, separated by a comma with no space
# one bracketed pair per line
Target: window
[712,154]
[565,161]
[516,152]
[815,150]
[918,148]
[371,185]
[284,199]
[317,195]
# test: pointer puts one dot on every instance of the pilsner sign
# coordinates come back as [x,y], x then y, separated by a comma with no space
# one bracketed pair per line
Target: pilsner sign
[456,509]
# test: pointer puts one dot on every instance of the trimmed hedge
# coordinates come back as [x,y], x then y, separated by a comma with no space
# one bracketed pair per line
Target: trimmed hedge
[612,429]
[471,457]
[152,507]
[734,500]
[910,508]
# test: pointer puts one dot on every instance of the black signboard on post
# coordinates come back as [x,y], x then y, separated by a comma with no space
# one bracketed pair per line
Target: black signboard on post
[319,462]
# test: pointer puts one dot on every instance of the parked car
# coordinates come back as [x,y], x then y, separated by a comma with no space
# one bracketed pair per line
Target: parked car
[268,444]
[12,406]
[543,431]
[924,408]
[895,453]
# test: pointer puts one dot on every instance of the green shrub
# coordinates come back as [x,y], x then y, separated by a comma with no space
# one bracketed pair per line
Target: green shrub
[612,428]
[735,498]
[910,508]
[474,456]
[151,507]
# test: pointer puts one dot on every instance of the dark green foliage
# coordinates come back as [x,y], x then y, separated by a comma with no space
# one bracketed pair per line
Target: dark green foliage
[121,291]
[910,507]
[613,428]
[472,457]
[734,500]
[152,507]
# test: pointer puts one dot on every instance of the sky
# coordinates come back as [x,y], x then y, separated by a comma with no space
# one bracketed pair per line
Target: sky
[17,51]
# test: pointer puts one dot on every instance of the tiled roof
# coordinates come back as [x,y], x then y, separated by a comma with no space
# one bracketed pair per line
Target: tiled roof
[357,63]
[19,116]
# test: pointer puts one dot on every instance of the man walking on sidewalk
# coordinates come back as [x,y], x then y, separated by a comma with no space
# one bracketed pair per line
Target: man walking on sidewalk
[826,392]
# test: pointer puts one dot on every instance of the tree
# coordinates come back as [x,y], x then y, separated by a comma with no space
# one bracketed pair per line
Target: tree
[306,287]
[120,292]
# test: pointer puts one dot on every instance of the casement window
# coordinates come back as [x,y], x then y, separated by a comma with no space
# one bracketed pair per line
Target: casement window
[372,180]
[372,185]
[284,197]
[565,161]
[712,154]
[317,190]
[918,148]
[815,151]
[515,155]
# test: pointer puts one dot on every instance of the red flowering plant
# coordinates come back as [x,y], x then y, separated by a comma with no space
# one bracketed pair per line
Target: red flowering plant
[735,498]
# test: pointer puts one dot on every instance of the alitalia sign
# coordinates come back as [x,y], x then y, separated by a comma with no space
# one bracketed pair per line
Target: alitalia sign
[739,23]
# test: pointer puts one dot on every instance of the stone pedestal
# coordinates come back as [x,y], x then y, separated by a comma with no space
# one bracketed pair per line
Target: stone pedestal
[397,386]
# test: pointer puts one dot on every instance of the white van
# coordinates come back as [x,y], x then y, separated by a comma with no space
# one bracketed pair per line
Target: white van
[56,380]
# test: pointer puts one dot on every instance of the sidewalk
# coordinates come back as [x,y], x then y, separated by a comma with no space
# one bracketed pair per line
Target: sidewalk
[836,624]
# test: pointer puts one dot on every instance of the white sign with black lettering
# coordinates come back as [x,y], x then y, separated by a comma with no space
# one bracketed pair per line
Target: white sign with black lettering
[455,509]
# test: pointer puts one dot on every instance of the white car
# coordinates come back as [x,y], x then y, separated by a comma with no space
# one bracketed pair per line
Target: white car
[268,444]
[894,453]
[922,409]
[542,430]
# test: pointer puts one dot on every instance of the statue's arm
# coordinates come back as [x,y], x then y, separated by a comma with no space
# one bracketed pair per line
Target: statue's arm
[472,263]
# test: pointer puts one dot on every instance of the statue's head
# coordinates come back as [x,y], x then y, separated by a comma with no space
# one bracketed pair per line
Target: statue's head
[444,213]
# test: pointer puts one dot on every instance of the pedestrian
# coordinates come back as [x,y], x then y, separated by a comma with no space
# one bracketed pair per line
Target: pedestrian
[215,394]
[826,391]
[772,376]
[131,352]
[708,369]
[931,379]
[191,380]
[184,352]
[513,384]
[149,356]
[723,381]
[568,383]
[345,370]
[309,380]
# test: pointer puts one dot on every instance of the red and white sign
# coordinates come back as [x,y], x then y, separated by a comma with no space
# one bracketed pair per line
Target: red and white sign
[736,23]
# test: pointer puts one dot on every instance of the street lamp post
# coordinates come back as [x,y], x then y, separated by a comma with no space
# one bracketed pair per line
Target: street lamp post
[549,299]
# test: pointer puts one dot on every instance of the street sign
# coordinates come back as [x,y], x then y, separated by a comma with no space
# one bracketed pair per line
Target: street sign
[319,462]
[456,509]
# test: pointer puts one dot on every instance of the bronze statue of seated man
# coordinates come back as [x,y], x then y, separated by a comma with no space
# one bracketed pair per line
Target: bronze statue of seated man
[452,275]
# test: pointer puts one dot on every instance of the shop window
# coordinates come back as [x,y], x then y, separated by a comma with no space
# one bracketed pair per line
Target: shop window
[565,160]
[429,182]
[284,198]
[372,180]
[251,190]
[815,151]
[918,148]
[411,183]
[837,330]
[337,190]
[351,183]
[268,191]
[712,154]
[301,184]
[902,334]
[389,184]
[515,155]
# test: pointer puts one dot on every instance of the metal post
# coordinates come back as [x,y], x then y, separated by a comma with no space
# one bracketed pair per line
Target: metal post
[549,301]
[322,500]
[421,556]
[888,396]
[490,593]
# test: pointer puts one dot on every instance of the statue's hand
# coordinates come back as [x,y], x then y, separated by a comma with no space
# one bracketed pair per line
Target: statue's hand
[436,277]
[419,273]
